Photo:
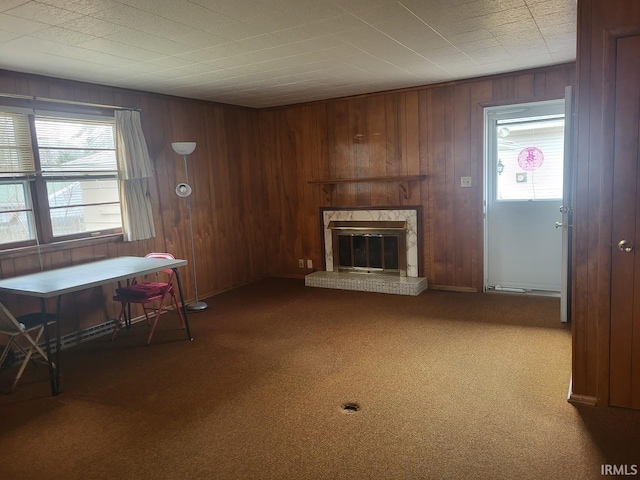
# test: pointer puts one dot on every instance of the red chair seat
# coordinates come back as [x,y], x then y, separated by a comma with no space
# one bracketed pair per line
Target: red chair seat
[151,295]
[142,290]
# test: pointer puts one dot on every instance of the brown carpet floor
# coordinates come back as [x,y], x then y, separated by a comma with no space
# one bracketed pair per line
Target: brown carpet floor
[449,386]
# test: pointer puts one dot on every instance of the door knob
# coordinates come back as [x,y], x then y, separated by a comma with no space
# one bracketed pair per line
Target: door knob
[625,246]
[559,225]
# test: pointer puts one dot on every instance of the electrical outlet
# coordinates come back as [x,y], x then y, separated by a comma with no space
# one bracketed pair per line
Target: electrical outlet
[300,263]
[309,263]
[465,182]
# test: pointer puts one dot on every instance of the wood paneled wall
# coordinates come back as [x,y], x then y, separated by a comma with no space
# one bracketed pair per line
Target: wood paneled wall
[226,201]
[600,24]
[255,214]
[435,131]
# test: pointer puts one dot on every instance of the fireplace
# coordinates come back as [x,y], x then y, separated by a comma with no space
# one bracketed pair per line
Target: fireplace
[372,250]
[369,246]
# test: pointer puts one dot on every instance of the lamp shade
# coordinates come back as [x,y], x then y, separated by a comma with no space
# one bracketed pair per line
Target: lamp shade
[183,190]
[183,148]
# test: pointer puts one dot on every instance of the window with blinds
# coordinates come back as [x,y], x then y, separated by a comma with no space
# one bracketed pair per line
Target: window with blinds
[17,167]
[58,178]
[16,152]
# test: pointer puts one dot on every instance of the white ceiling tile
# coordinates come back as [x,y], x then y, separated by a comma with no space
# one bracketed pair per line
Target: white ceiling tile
[83,7]
[6,36]
[563,47]
[191,14]
[62,35]
[119,49]
[30,44]
[9,4]
[239,30]
[170,62]
[198,39]
[123,15]
[148,41]
[321,28]
[40,12]
[357,5]
[469,37]
[92,26]
[143,68]
[306,10]
[558,29]
[211,54]
[516,40]
[383,13]
[448,54]
[92,56]
[188,71]
[562,56]
[561,38]
[260,42]
[479,45]
[493,59]
[9,23]
[552,7]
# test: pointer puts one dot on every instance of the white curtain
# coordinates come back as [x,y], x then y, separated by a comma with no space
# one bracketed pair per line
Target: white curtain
[135,170]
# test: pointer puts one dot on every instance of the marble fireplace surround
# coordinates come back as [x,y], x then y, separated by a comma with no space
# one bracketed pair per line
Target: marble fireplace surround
[409,215]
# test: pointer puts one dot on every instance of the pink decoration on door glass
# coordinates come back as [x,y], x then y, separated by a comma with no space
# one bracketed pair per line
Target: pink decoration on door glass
[530,158]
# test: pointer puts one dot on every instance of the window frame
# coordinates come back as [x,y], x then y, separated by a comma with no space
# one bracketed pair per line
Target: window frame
[36,185]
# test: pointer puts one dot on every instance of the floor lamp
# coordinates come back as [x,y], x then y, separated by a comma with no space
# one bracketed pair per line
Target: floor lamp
[183,190]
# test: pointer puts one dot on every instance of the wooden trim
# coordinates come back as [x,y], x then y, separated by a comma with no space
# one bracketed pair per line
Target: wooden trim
[446,288]
[582,400]
[296,276]
[59,246]
[396,178]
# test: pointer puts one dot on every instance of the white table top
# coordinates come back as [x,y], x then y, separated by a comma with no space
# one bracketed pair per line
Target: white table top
[59,281]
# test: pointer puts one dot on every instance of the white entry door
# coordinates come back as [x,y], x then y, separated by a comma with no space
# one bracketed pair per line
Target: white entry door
[524,191]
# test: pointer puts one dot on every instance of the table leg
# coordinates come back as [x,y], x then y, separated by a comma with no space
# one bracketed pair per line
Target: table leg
[47,339]
[184,305]
[58,342]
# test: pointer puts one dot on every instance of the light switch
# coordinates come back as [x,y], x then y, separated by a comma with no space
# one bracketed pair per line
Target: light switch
[465,182]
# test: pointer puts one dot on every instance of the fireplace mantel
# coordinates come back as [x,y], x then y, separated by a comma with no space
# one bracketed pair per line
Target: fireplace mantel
[404,182]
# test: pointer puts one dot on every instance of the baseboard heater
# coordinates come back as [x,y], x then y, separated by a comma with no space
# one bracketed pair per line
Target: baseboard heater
[76,338]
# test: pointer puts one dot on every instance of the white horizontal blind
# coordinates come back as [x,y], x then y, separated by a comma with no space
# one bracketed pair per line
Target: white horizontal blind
[70,147]
[16,153]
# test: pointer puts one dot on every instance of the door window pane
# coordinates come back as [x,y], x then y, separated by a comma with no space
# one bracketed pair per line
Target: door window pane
[530,159]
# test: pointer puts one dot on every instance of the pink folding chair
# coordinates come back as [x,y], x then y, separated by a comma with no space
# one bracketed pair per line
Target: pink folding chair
[151,295]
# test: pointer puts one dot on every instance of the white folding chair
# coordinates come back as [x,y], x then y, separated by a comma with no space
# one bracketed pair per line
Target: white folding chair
[23,326]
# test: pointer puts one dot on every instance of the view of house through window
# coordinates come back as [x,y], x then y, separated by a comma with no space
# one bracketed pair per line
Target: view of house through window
[59,183]
[530,158]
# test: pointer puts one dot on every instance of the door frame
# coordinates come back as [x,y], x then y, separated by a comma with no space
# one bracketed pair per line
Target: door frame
[488,152]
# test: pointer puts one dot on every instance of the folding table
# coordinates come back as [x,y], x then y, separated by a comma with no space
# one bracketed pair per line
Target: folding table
[60,281]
